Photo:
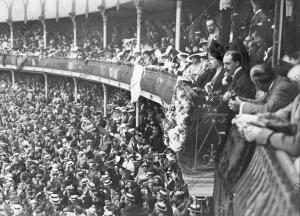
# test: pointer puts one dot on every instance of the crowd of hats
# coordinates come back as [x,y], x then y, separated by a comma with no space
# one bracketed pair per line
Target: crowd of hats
[157,45]
[60,157]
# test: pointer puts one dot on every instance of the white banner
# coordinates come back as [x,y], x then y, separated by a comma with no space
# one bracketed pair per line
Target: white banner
[135,84]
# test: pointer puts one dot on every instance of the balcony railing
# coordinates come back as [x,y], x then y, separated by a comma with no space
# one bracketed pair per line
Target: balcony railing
[156,85]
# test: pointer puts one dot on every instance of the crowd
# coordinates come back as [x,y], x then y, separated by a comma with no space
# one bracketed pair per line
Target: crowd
[61,157]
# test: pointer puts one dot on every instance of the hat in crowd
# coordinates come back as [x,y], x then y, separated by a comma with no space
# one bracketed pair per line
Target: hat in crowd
[161,206]
[129,197]
[47,157]
[55,171]
[102,153]
[131,130]
[17,209]
[203,41]
[196,55]
[108,213]
[70,163]
[163,194]
[33,201]
[73,197]
[130,156]
[107,183]
[54,199]
[182,56]
[105,177]
[194,208]
[91,186]
[84,181]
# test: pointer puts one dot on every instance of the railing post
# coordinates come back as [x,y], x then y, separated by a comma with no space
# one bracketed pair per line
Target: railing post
[137,114]
[75,88]
[46,85]
[104,99]
[139,7]
[178,24]
[13,79]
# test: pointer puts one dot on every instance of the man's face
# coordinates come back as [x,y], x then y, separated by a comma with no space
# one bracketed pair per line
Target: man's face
[210,26]
[229,65]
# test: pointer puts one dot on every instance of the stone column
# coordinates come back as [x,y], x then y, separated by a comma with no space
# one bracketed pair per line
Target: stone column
[73,18]
[45,35]
[178,24]
[10,23]
[104,31]
[104,19]
[139,7]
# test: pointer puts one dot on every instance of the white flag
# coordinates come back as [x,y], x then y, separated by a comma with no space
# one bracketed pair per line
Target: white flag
[135,85]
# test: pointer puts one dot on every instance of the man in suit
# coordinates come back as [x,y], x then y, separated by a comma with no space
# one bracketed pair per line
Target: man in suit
[279,130]
[236,78]
[280,92]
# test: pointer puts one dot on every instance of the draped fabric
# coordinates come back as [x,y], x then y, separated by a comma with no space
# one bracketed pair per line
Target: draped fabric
[234,158]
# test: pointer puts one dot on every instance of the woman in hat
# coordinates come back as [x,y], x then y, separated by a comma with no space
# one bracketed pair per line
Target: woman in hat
[211,80]
[195,69]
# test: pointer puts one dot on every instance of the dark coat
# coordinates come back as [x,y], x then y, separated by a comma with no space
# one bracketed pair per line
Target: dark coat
[208,76]
[241,85]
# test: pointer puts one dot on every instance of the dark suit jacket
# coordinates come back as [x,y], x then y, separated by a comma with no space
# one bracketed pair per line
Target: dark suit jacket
[242,85]
[208,76]
[282,93]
